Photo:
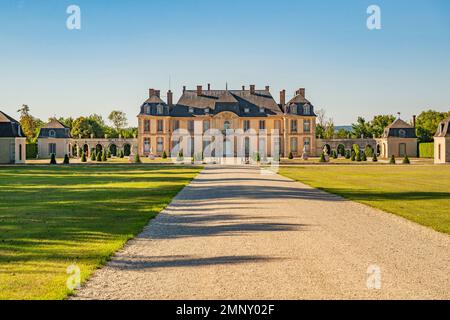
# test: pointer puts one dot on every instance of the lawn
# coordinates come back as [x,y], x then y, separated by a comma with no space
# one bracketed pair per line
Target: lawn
[54,217]
[418,193]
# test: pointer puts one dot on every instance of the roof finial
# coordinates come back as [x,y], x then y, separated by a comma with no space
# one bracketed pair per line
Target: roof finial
[226,86]
[398,114]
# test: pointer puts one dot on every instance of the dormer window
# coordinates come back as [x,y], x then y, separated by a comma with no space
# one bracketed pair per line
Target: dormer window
[207,111]
[159,109]
[306,109]
[246,110]
[294,109]
[147,109]
[261,110]
[402,133]
[191,110]
[52,133]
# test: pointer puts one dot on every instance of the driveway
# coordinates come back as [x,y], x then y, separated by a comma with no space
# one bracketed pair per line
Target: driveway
[235,233]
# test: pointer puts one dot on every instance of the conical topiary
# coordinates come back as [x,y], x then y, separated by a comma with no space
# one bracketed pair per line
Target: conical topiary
[108,154]
[104,159]
[121,154]
[164,155]
[392,161]
[137,159]
[53,159]
[358,156]
[322,157]
[83,157]
[99,157]
[291,155]
[406,160]
[93,156]
[66,159]
[374,158]
[364,157]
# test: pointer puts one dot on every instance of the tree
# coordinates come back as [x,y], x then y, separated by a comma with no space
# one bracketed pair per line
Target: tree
[427,123]
[118,119]
[30,126]
[342,133]
[68,122]
[84,127]
[379,123]
[361,128]
[329,129]
[320,123]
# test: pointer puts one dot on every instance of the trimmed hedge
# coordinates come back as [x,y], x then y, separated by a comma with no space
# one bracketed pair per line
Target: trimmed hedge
[32,150]
[426,150]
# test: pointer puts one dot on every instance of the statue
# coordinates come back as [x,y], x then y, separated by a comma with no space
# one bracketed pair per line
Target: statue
[305,153]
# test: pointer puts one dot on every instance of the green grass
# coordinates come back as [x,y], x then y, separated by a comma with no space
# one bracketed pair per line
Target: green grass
[52,217]
[418,193]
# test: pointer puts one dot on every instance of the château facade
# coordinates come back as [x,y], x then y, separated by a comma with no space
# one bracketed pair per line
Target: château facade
[245,109]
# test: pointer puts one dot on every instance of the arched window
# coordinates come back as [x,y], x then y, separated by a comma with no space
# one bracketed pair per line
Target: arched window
[52,133]
[306,109]
[159,109]
[294,109]
[402,133]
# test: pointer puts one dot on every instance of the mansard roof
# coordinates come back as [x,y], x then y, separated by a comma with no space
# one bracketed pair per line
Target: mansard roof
[54,129]
[9,128]
[400,129]
[443,128]
[300,101]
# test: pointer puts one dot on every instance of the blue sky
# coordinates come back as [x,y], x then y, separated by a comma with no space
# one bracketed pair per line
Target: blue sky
[125,47]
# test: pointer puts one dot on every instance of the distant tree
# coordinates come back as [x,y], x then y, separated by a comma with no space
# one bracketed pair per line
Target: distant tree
[427,123]
[86,126]
[379,123]
[118,119]
[68,122]
[329,129]
[30,126]
[342,133]
[361,128]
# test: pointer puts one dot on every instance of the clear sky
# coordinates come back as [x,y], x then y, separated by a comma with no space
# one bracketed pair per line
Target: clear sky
[126,47]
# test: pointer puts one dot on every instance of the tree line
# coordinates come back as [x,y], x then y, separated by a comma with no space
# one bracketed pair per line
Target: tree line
[426,126]
[83,127]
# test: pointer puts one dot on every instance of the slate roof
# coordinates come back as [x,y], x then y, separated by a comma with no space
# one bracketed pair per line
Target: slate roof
[241,102]
[400,129]
[9,128]
[60,130]
[300,102]
[443,128]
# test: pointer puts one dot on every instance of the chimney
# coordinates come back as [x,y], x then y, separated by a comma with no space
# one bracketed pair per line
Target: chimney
[414,121]
[301,92]
[243,88]
[151,92]
[267,88]
[184,89]
[158,93]
[169,98]
[252,89]
[209,86]
[283,97]
[199,91]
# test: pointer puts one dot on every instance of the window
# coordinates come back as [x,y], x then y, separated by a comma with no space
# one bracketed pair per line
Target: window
[207,111]
[262,124]
[294,109]
[306,109]
[307,144]
[159,109]
[191,110]
[294,145]
[226,125]
[205,125]
[146,144]
[293,126]
[402,133]
[160,126]
[306,126]
[147,109]
[160,145]
[261,110]
[52,148]
[246,110]
[176,124]
[146,125]
[191,125]
[246,125]
[52,133]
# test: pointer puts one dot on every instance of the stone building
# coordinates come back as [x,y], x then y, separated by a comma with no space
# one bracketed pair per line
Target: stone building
[442,142]
[12,141]
[399,139]
[249,110]
[54,139]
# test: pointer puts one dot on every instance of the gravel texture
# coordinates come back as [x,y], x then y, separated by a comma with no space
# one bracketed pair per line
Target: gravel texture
[239,233]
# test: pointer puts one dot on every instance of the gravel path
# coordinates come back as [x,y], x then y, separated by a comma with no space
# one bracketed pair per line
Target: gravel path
[235,233]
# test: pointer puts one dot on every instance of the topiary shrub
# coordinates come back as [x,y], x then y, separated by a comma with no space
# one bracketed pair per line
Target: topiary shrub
[104,157]
[291,156]
[406,160]
[66,159]
[93,156]
[99,157]
[358,156]
[164,155]
[322,158]
[83,157]
[121,154]
[374,158]
[353,156]
[258,157]
[334,154]
[392,161]
[108,154]
[53,159]
[347,154]
[364,157]
[137,159]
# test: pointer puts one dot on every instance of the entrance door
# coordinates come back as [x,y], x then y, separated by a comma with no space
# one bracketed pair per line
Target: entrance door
[402,149]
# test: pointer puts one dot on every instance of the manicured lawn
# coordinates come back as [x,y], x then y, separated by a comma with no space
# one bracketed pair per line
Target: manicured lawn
[53,217]
[418,193]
